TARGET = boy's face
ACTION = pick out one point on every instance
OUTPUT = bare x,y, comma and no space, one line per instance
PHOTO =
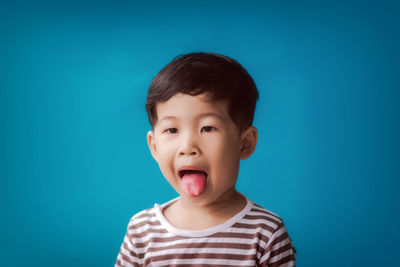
193,133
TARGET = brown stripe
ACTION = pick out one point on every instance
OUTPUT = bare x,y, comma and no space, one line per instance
118,263
260,217
175,238
132,253
159,240
148,231
280,238
263,238
127,259
138,225
233,235
201,256
262,210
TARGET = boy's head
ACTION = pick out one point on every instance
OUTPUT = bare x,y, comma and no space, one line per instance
218,76
201,108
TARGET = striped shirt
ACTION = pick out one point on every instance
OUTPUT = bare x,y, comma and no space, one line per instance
253,237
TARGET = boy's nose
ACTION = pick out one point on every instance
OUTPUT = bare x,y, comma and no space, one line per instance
189,147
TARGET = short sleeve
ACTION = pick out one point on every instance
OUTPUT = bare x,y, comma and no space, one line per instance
127,256
280,250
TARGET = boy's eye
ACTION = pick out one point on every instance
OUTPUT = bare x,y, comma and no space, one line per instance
207,129
171,130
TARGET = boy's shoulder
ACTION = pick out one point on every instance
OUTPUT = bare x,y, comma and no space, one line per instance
267,222
143,217
148,218
147,213
265,213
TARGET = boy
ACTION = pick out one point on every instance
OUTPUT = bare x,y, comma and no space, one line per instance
201,108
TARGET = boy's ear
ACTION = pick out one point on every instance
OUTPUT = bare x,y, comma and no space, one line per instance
152,144
249,142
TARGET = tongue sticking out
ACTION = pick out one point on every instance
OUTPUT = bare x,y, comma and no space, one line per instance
194,183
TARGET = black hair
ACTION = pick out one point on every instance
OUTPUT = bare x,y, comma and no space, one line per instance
222,77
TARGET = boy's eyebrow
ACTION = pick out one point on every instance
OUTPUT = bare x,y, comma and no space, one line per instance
212,114
167,118
208,114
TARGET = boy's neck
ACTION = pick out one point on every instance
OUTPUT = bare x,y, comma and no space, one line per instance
185,214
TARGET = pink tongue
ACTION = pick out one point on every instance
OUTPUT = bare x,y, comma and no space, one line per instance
194,183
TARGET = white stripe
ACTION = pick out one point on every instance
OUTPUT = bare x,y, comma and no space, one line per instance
259,255
250,231
278,233
135,222
280,244
148,212
281,256
259,221
209,240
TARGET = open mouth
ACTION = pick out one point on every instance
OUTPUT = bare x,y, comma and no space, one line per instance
183,172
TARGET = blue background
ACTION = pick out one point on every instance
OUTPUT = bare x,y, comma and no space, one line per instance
74,160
